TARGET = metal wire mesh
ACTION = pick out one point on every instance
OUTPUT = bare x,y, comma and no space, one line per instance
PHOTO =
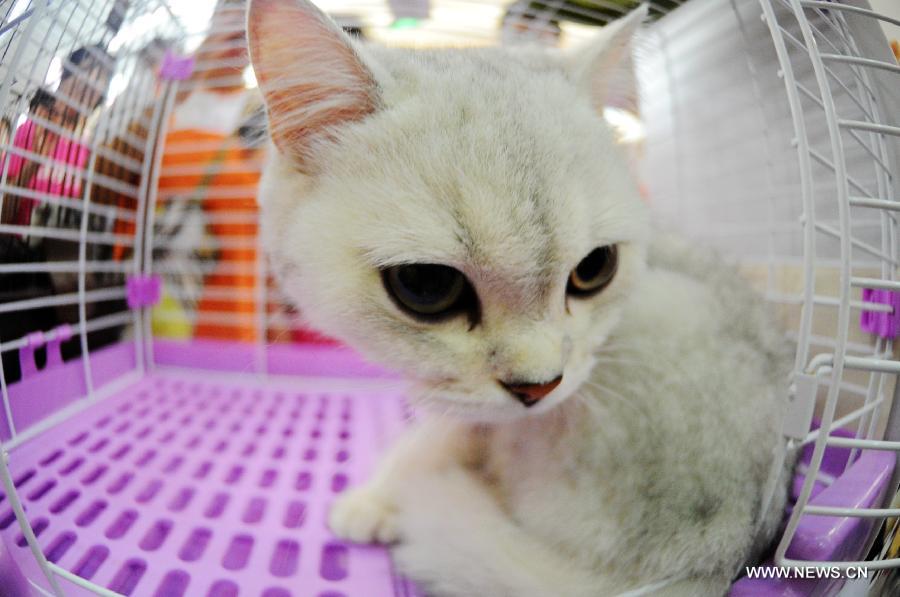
801,190
774,139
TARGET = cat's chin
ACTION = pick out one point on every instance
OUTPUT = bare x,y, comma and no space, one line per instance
471,414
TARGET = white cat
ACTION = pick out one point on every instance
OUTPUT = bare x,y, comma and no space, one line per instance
603,407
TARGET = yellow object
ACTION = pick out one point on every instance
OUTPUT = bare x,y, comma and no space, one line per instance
169,319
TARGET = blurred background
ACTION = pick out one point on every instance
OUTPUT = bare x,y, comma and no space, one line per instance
78,140
154,121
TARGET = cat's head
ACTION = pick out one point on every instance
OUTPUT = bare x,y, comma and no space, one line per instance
464,216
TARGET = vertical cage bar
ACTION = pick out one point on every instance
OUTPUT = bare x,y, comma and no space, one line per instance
168,102
24,525
141,330
806,186
82,242
843,311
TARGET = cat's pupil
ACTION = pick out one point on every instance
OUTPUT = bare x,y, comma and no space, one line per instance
594,272
428,291
427,284
591,265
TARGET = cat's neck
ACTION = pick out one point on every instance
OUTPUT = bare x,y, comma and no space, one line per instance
558,425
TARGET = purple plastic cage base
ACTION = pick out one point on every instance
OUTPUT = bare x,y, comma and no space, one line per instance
828,538
186,483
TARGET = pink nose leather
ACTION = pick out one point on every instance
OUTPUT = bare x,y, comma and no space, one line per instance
530,394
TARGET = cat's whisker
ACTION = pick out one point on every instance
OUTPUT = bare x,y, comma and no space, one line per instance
617,360
661,362
588,403
277,339
620,348
636,406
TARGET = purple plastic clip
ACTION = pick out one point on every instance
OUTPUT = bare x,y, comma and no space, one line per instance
886,325
175,67
36,340
143,290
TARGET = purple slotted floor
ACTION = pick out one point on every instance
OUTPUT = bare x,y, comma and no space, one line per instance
192,483
203,485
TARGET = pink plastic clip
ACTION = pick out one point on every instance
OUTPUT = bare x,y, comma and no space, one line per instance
27,364
36,340
143,291
886,325
175,67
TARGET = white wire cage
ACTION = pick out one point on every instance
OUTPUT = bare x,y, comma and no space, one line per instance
129,262
802,190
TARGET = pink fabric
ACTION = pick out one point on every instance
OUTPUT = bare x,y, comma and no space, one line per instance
58,178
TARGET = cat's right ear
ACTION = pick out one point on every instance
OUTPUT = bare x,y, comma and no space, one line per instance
312,79
603,67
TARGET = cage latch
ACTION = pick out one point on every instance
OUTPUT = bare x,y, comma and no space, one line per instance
175,67
35,340
143,290
881,323
801,403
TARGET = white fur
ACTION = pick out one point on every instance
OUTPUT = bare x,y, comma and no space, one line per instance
648,462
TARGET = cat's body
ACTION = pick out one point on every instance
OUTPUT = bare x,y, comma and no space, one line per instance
653,470
602,407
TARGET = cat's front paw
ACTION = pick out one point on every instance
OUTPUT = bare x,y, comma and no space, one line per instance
364,515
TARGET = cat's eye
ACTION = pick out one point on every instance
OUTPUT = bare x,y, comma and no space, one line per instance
594,272
430,292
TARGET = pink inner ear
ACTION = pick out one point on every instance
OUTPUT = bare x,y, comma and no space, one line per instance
607,63
311,77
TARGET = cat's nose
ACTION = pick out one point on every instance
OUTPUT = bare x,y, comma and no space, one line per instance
530,394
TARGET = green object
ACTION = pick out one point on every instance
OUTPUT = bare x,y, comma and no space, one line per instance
405,23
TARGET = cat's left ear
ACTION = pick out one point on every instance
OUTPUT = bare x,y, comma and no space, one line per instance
310,75
603,67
